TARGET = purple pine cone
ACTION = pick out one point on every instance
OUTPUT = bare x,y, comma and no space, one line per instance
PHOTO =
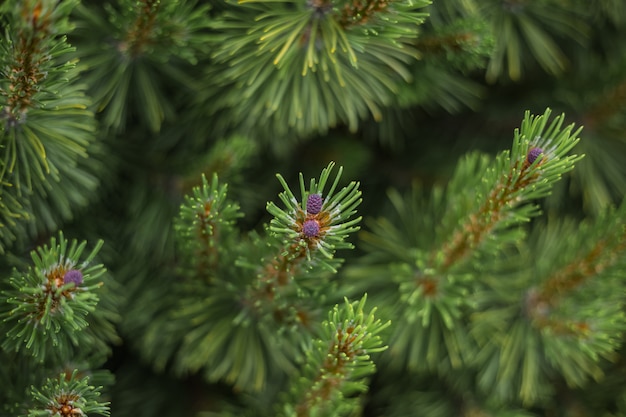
314,203
311,228
533,154
73,275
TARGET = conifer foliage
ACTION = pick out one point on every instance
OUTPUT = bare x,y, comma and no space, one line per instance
312,208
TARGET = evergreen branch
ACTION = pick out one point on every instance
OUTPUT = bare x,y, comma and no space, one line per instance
536,161
45,123
318,225
123,54
283,267
274,301
48,305
67,396
241,308
522,29
484,201
204,227
602,256
603,251
308,233
570,317
140,34
463,43
231,336
285,286
35,24
338,363
367,65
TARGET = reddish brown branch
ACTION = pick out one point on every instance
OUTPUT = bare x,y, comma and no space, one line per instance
359,12
485,219
24,73
141,33
452,42
602,256
208,254
333,371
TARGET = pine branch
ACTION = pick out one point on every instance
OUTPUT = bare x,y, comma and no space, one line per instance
604,254
46,310
46,129
465,43
565,316
140,50
140,34
67,396
309,232
315,228
537,160
525,33
337,364
476,218
259,288
205,229
452,45
310,51
45,123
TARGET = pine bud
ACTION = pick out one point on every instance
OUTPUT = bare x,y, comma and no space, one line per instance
314,203
73,275
311,228
533,154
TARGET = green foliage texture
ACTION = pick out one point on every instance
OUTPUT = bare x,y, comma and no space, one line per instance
313,208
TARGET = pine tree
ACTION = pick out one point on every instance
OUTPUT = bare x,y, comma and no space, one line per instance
312,208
